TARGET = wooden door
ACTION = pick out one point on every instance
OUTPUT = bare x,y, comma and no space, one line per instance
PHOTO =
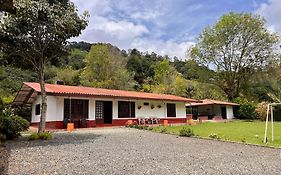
171,110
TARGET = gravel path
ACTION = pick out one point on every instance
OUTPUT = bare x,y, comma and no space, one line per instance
131,151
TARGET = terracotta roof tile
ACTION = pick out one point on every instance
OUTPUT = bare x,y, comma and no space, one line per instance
98,92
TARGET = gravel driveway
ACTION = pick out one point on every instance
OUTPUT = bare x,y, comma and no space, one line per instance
131,151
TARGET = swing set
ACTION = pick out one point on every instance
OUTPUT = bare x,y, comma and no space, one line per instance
269,110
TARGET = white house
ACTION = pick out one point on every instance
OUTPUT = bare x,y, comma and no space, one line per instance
212,109
90,107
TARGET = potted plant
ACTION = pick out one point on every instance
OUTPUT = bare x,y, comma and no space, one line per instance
159,106
139,107
152,106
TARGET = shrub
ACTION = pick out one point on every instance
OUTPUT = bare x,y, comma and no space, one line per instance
42,136
186,132
261,110
246,110
12,125
214,136
33,136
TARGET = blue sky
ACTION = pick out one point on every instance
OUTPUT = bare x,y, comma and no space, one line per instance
164,26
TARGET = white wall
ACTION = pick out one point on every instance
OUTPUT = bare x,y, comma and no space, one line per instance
229,112
55,108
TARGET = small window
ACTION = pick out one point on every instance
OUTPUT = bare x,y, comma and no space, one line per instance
37,109
146,104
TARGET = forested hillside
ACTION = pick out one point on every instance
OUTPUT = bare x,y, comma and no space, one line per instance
106,66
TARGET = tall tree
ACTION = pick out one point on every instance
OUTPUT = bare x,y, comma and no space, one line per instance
105,68
37,33
237,44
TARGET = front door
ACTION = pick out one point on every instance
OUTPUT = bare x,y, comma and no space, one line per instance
76,111
104,112
223,112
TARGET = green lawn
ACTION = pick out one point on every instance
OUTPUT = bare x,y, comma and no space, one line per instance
251,132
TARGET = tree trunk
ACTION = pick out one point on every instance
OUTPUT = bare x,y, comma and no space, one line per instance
43,101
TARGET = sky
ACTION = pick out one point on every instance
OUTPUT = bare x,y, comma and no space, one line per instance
166,27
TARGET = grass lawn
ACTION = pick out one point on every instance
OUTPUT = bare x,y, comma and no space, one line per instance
251,132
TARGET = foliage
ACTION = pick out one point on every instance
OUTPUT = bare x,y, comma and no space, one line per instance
246,109
214,136
11,125
237,44
105,68
261,110
41,136
75,59
11,79
141,66
67,74
37,33
186,132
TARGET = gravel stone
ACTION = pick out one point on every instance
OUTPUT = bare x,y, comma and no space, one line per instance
131,151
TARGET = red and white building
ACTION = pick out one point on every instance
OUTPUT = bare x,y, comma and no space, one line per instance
209,109
92,107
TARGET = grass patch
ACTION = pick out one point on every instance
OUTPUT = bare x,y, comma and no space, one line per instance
41,136
251,132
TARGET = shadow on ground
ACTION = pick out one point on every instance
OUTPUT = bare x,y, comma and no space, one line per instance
58,139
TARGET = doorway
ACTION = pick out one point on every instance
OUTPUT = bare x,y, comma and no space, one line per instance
103,112
223,112
76,111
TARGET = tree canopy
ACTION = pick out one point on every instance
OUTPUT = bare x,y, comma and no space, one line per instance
235,46
37,33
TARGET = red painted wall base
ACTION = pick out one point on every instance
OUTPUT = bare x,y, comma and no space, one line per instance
115,122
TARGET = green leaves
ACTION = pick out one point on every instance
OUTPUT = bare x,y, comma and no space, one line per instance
235,46
105,68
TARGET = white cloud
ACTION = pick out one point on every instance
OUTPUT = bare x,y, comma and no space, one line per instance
119,33
129,24
169,48
272,13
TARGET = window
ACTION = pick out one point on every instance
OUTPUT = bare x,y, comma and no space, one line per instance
99,110
126,109
37,109
171,110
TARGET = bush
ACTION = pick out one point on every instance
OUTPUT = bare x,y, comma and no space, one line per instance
214,136
261,110
186,132
163,130
42,136
246,110
11,125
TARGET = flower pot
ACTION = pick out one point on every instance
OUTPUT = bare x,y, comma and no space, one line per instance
70,127
190,122
166,122
130,122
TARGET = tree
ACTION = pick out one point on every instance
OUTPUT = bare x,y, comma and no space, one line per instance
37,33
140,66
105,68
236,45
